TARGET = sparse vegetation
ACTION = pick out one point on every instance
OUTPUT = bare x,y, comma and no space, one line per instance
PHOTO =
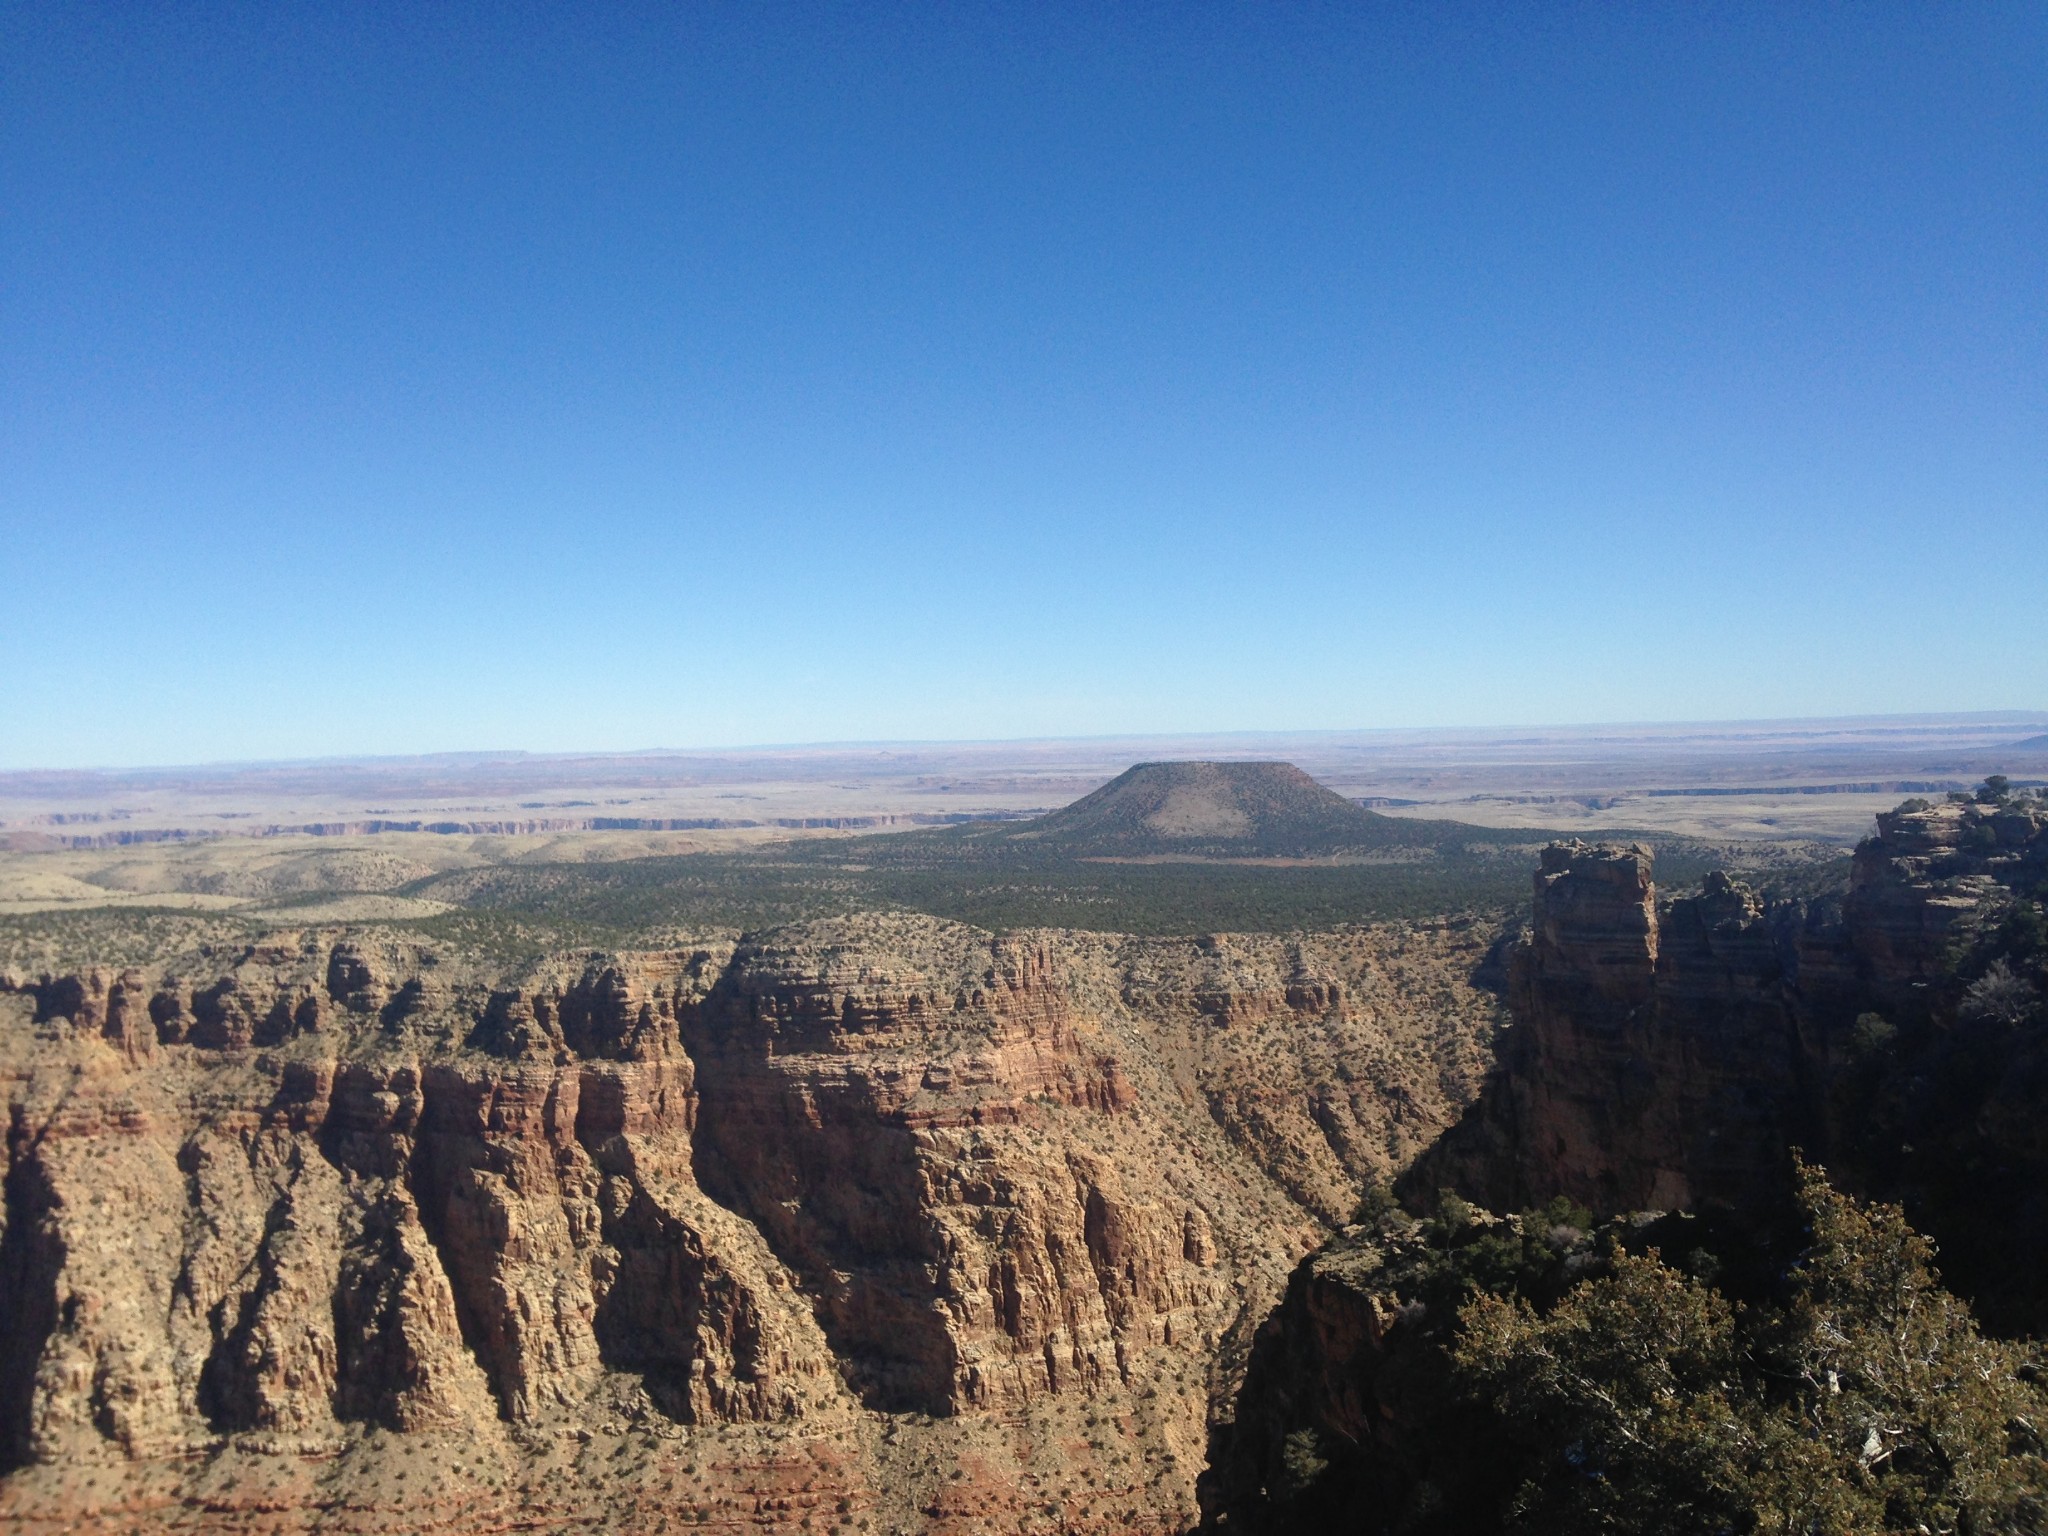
601,903
1547,1376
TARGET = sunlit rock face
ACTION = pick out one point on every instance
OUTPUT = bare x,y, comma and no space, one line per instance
772,1229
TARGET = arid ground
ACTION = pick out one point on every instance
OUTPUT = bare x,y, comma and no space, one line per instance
355,833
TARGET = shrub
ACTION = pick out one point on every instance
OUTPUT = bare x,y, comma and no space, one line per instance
1862,1399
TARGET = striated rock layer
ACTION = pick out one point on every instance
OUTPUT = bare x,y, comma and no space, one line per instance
871,1223
1661,1055
1667,1055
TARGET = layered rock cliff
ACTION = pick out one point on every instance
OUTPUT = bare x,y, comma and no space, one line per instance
1669,1056
870,1223
1661,1054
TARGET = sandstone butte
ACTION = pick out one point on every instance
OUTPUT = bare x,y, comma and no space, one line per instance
873,1224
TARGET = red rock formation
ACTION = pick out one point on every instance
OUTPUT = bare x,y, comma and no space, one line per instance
1656,1059
757,1235
886,1118
1668,1057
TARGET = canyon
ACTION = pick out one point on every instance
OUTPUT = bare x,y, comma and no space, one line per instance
881,1221
869,1223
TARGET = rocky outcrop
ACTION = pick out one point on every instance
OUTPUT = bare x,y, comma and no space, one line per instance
785,1227
1932,873
1332,1377
1657,1058
1668,1055
1305,1048
378,1239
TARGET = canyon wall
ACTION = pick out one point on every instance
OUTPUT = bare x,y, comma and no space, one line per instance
873,1223
1667,1055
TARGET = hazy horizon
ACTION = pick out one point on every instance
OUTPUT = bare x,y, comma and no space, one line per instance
1502,733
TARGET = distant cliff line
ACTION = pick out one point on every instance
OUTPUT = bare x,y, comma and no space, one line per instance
32,839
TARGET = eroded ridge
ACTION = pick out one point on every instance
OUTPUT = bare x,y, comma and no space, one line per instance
1666,1054
758,1229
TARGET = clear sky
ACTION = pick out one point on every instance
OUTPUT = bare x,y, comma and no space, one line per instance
386,378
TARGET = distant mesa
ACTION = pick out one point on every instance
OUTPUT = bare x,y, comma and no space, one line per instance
2032,744
1210,809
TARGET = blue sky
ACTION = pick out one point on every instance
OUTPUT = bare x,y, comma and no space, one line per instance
399,378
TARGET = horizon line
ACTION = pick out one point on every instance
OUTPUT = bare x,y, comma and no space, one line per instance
1981,718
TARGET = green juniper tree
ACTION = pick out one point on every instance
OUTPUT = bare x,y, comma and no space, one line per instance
1863,1400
